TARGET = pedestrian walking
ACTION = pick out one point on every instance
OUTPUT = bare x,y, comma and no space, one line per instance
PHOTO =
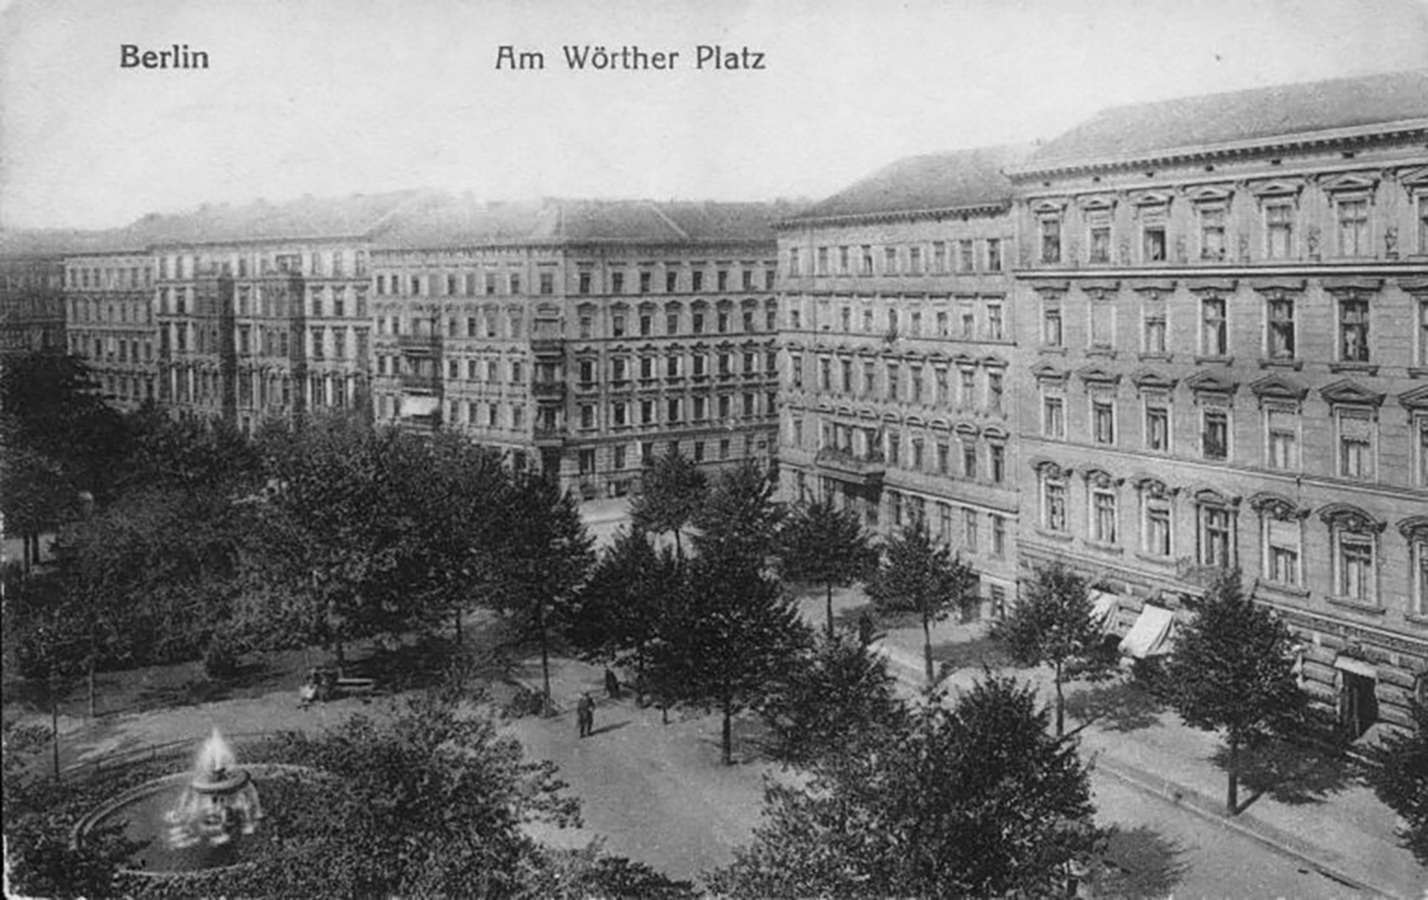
585,714
612,685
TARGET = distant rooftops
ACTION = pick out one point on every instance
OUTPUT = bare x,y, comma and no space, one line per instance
1192,125
955,180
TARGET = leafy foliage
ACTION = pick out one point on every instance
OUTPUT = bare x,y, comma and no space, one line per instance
838,692
1233,669
822,544
671,492
1398,774
739,520
1054,624
732,635
619,613
977,800
921,577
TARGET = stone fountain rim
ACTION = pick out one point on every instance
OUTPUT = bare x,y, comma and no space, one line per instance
153,786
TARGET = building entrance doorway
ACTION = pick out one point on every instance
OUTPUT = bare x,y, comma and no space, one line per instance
1358,703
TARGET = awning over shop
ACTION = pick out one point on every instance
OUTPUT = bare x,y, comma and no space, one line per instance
1151,635
1103,608
1356,666
419,405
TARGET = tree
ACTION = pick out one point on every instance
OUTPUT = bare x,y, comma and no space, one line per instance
619,612
1054,624
671,492
544,556
1398,774
919,576
1233,669
739,519
838,692
973,801
731,637
822,544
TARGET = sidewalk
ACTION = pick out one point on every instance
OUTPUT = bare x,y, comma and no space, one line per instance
1342,830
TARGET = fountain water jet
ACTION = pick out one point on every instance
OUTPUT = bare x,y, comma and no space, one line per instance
218,802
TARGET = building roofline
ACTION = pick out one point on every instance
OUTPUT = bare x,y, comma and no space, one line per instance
884,215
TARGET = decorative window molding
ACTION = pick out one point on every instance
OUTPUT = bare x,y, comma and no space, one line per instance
1149,379
1212,386
1278,388
1097,375
1348,516
1346,392
1046,373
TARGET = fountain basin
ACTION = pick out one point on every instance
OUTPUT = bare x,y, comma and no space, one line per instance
144,810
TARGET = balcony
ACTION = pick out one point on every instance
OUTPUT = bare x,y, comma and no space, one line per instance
547,436
846,466
412,381
429,344
547,346
548,390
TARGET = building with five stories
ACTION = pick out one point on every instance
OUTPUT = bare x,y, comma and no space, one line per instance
262,310
898,336
32,312
582,337
109,291
1222,362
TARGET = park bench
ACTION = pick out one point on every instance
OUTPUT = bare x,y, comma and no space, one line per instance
329,683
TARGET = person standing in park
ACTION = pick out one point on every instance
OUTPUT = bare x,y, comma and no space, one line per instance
585,714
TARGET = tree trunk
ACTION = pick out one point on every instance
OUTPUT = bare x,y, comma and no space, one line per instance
927,649
678,547
1232,792
458,626
544,657
90,680
1060,704
830,610
728,735
640,675
54,719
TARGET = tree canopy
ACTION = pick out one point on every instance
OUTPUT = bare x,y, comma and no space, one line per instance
1398,774
973,801
671,491
921,577
822,544
1054,623
739,519
1233,669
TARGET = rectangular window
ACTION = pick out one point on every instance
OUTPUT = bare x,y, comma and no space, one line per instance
1214,328
889,260
969,459
1215,433
999,537
943,455
1054,417
1103,324
1054,505
914,260
994,255
1157,528
1051,333
865,260
1355,559
645,282
617,282
1153,241
939,257
1353,330
1103,420
1356,443
490,284
547,282
968,399
1423,332
1281,338
1103,516
969,530
1099,222
994,392
1050,227
995,328
1282,438
997,458
587,327
1353,228
1153,315
1279,231
843,260
1212,233
1215,546
617,325
795,265
1281,556
966,257
893,377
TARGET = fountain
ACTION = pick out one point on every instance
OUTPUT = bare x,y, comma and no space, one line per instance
220,800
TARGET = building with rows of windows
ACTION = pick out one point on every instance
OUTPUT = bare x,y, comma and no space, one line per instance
32,310
108,291
898,334
1222,362
582,338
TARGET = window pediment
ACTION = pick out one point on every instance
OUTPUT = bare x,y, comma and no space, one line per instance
992,432
1152,380
866,413
1277,285
1350,285
1213,497
1276,506
1049,206
1349,393
1414,528
1050,468
1046,372
1277,188
1101,478
1414,177
1092,202
1416,399
1151,198
1277,387
1211,383
1153,487
1095,374
889,416
1349,182
994,362
1350,518
967,429
1211,194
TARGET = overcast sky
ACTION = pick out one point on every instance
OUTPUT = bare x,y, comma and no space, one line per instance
331,97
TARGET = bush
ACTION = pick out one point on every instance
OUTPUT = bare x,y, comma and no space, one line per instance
220,660
525,702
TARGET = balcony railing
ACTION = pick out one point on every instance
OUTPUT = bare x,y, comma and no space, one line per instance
415,382
867,469
427,343
547,346
548,390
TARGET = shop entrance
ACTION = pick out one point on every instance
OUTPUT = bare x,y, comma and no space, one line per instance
1358,703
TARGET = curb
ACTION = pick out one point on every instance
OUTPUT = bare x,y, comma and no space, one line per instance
1265,834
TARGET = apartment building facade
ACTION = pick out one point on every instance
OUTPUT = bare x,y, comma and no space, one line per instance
1222,362
108,295
583,338
898,338
32,308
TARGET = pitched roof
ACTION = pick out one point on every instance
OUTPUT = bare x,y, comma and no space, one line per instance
308,217
59,242
1147,130
957,179
454,221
